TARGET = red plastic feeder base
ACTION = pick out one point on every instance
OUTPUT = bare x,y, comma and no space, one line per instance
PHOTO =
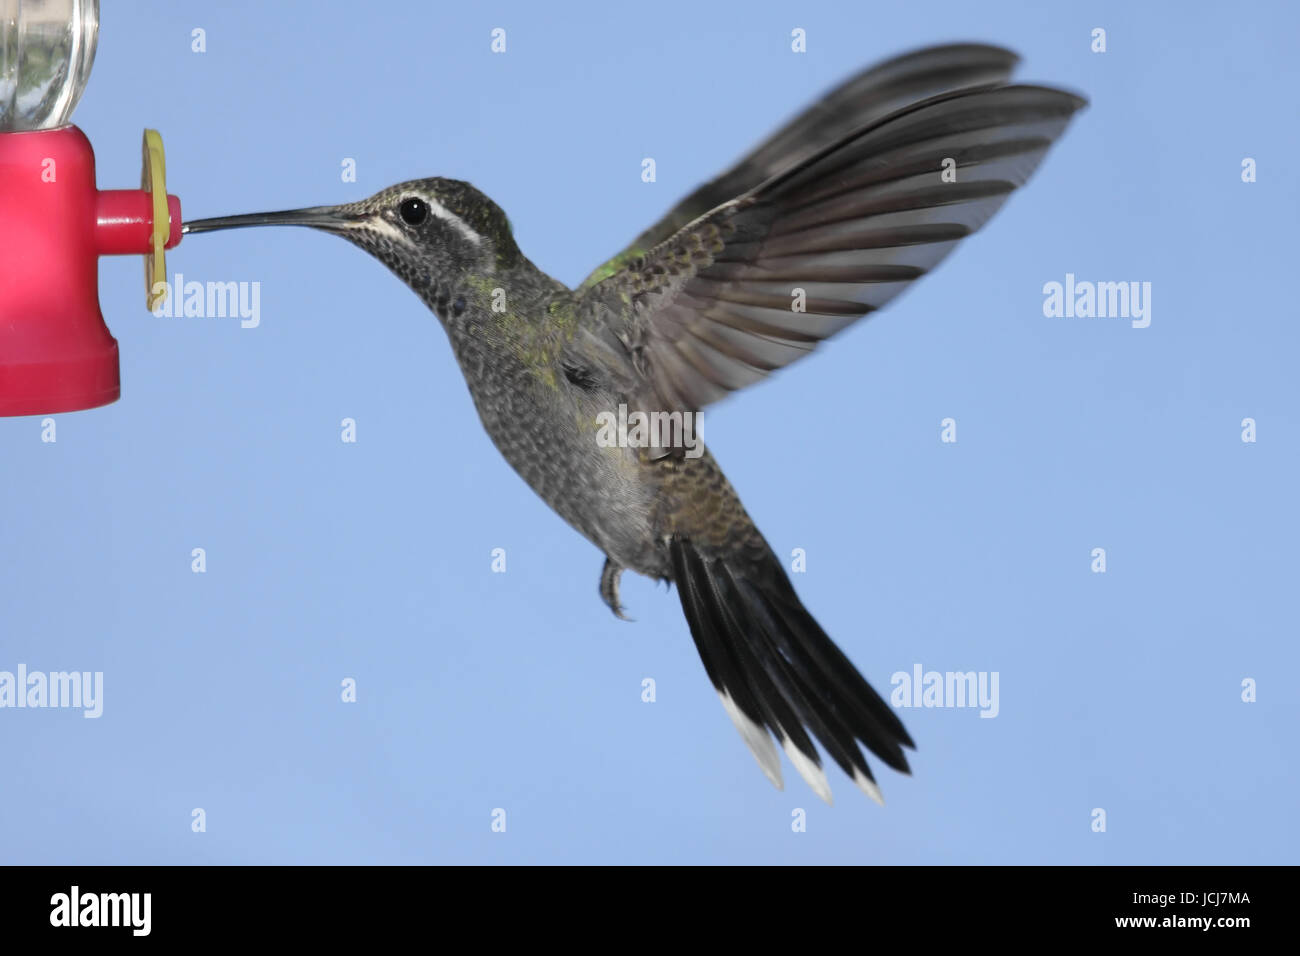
56,354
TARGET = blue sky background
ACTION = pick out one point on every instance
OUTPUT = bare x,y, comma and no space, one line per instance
477,690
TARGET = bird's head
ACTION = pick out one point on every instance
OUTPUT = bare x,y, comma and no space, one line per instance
434,234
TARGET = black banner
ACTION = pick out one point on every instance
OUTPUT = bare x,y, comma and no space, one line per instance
1150,905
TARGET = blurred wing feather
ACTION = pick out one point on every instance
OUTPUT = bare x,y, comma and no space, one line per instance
712,308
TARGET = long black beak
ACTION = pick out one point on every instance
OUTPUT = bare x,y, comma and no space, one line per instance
329,218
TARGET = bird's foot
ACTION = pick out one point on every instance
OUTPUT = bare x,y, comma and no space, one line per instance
609,577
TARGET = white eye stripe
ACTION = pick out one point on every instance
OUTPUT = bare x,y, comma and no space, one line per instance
454,220
397,232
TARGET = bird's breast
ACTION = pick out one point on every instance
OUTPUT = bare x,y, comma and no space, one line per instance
550,431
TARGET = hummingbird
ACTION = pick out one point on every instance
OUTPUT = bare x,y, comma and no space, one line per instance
824,222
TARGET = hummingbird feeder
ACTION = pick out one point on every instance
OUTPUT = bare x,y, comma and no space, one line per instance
56,353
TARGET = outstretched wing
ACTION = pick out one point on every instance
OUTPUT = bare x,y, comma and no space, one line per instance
717,305
858,102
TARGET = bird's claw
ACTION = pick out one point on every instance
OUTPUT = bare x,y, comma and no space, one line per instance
609,578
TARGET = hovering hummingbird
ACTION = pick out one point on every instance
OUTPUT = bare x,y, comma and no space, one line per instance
823,223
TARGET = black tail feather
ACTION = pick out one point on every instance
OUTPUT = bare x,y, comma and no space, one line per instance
778,672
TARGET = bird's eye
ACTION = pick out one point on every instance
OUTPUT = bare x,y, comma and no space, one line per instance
413,211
